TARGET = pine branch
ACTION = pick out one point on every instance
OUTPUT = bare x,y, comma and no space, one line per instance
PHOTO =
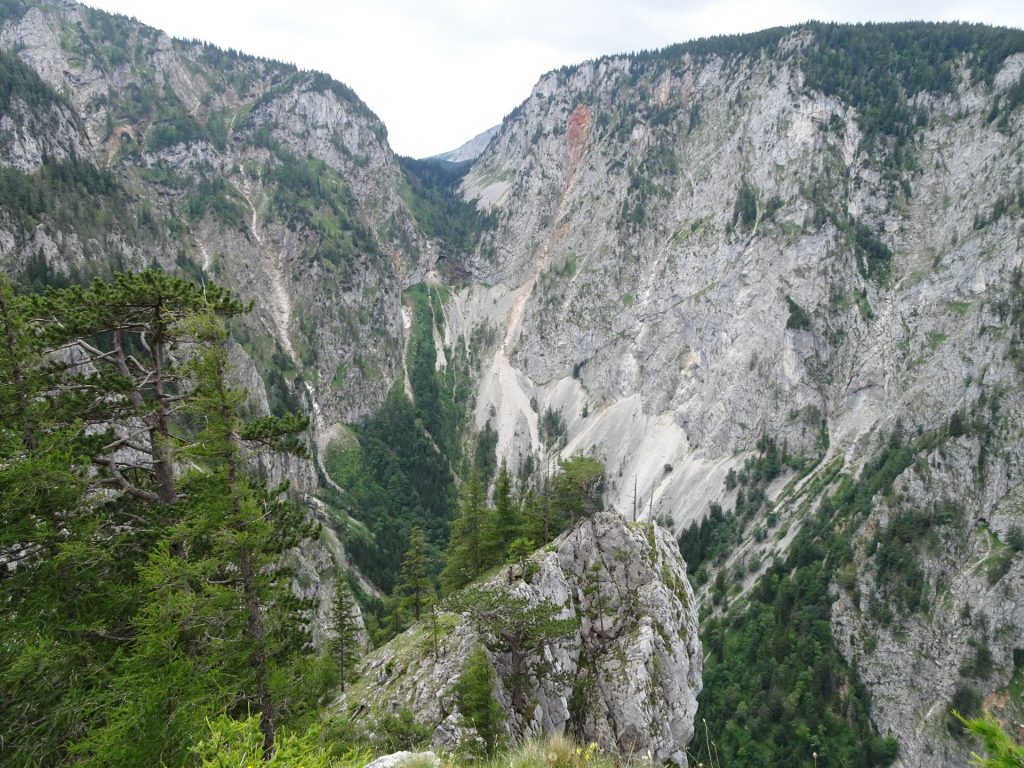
122,482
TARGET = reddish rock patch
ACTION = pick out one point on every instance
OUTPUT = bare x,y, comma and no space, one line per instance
578,131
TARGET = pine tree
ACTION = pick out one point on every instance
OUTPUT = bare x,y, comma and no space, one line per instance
534,522
218,623
474,692
415,587
1002,751
577,488
346,628
67,589
506,512
511,626
120,349
466,547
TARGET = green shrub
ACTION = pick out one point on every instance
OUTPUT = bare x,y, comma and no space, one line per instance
474,692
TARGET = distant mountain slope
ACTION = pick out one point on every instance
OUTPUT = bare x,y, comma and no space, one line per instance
122,148
471,150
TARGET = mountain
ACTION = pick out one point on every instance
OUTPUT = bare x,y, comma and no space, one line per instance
471,150
277,182
772,282
778,276
122,148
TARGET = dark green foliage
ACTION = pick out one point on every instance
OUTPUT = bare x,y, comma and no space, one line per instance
389,733
68,604
1015,538
485,459
577,489
877,68
725,46
875,256
157,107
19,81
981,662
1006,105
552,428
776,687
474,692
308,193
872,256
512,627
744,211
440,396
999,565
798,319
966,701
416,589
72,196
14,9
178,127
434,199
711,540
482,537
219,624
899,576
472,544
1003,751
394,479
215,197
322,82
344,645
150,595
507,515
1010,309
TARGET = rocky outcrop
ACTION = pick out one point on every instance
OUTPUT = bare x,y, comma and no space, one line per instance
942,627
626,676
644,302
398,759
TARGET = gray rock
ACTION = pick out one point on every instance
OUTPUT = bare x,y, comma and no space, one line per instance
399,759
627,679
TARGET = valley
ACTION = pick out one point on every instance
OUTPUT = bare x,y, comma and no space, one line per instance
770,285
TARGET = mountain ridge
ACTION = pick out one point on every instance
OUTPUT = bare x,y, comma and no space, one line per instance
749,274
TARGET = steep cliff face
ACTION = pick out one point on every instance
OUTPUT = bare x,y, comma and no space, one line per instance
624,674
121,148
278,183
663,220
717,242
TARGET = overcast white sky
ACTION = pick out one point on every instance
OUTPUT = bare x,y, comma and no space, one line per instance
438,72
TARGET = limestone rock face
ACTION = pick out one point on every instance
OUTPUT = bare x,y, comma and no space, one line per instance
275,183
631,297
679,267
399,759
626,678
230,166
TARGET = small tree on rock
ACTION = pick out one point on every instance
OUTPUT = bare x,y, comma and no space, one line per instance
415,588
346,629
